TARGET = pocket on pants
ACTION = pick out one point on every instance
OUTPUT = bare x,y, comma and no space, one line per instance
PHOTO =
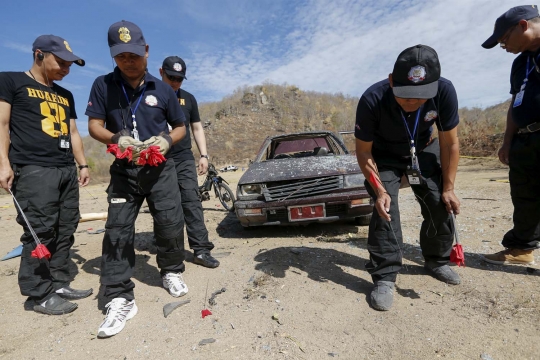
166,212
70,212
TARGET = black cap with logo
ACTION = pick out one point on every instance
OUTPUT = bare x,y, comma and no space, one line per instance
57,46
416,73
125,36
174,66
509,19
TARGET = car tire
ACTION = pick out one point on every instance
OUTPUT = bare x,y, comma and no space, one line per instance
363,220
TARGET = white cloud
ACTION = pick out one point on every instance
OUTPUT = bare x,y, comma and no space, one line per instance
346,46
18,46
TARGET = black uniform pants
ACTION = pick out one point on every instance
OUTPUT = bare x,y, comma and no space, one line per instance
192,207
49,197
128,188
385,239
524,177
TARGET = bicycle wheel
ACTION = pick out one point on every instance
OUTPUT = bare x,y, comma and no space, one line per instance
225,196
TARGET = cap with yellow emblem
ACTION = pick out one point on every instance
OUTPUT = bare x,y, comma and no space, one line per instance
57,46
125,36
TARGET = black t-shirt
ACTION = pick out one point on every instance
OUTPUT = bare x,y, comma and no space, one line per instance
39,114
379,118
158,105
182,149
529,110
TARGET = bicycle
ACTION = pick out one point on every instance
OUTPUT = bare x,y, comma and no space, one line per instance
222,191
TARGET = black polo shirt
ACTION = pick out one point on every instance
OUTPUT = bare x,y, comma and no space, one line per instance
529,110
182,149
379,118
39,115
158,105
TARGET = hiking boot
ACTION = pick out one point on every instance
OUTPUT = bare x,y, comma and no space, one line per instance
382,295
69,293
175,284
510,256
444,273
206,260
119,310
54,305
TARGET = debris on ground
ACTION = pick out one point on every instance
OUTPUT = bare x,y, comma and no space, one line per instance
212,300
170,307
206,341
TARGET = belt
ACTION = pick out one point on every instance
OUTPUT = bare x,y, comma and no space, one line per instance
534,127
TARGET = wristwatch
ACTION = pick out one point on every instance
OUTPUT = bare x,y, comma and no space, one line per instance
205,156
82,167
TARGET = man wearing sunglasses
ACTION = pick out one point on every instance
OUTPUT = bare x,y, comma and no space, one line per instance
173,72
393,130
518,31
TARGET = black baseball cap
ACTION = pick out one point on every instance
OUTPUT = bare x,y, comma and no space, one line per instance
509,19
174,66
416,73
125,36
57,46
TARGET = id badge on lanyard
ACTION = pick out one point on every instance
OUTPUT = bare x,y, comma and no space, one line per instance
135,132
519,96
415,165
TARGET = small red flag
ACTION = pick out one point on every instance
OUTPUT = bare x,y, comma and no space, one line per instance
41,252
457,256
205,313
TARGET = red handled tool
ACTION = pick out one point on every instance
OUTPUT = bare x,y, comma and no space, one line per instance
41,250
457,256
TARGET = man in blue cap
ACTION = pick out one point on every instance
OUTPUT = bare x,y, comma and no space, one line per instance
393,130
132,108
39,146
518,32
173,72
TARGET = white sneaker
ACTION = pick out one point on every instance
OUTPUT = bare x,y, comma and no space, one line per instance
119,311
175,284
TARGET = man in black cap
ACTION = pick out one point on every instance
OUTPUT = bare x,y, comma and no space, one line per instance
173,72
39,146
393,128
518,32
133,109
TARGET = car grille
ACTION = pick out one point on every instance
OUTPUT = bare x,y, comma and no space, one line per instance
297,189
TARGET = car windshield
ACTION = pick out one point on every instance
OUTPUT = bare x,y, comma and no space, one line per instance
300,145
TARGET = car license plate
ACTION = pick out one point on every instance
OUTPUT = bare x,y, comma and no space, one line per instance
306,212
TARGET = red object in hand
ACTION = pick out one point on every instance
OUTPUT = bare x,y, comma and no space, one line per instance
457,256
205,313
114,149
127,153
151,156
41,252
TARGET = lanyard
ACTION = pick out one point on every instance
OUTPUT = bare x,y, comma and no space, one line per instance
133,111
527,73
414,159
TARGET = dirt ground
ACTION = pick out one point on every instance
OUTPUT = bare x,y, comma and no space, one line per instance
293,293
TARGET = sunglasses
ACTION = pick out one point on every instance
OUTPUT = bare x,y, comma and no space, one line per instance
174,78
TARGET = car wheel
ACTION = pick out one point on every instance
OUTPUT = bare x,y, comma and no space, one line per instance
363,220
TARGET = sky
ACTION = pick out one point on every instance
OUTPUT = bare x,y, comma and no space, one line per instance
334,46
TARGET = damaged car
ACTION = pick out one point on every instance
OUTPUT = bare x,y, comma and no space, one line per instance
302,178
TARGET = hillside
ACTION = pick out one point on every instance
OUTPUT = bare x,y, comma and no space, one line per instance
236,126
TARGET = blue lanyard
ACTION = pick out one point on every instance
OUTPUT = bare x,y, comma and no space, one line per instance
411,136
528,71
133,111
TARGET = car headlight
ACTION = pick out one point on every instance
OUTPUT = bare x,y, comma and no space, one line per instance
253,189
353,180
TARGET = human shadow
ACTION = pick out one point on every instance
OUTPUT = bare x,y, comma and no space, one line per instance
322,265
143,272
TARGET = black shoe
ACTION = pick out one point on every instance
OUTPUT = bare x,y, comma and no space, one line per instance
54,305
444,273
206,260
69,293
